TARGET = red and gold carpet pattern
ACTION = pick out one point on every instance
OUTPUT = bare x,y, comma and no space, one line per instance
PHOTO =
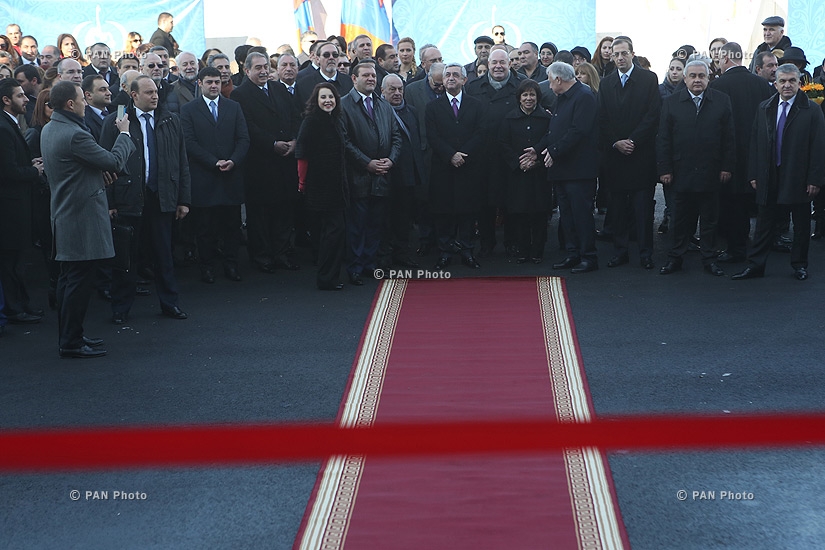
466,350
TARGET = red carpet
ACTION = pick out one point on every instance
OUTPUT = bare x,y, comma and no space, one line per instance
466,349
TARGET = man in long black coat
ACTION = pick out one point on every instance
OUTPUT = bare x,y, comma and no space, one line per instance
787,169
696,154
217,142
629,107
746,92
19,174
271,171
457,142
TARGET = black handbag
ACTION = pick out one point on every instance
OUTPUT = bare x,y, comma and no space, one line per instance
124,239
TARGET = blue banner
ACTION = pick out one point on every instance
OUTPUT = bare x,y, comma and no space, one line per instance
452,26
92,21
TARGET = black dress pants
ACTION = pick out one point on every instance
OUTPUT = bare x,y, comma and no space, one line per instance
576,217
74,289
216,225
766,233
688,208
632,209
332,241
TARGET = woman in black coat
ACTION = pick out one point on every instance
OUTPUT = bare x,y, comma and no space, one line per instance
528,192
322,178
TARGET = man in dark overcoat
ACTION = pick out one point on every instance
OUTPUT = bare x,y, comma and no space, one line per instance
271,171
787,169
696,154
455,124
629,107
217,142
746,92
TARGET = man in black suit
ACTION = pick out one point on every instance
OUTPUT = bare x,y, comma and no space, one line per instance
271,171
101,64
629,106
696,154
306,80
19,174
162,35
569,151
455,124
216,143
373,145
746,92
408,174
98,98
787,168
497,93
29,79
153,191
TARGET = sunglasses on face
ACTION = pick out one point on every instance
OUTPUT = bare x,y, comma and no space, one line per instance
499,34
154,65
344,64
330,54
137,40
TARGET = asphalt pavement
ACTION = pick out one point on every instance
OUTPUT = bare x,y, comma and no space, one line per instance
274,349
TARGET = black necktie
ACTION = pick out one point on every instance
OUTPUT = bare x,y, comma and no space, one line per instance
152,180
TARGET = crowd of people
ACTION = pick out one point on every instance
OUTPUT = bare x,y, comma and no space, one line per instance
120,166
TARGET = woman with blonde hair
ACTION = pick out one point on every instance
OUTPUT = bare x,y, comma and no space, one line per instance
406,54
67,44
587,74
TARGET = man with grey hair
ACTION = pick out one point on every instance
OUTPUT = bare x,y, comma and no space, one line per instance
773,31
70,69
497,93
163,53
152,65
454,131
186,87
429,54
570,150
786,168
530,66
222,62
48,57
746,92
696,154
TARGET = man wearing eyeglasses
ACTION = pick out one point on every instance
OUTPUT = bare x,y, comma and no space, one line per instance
499,37
328,57
69,69
629,106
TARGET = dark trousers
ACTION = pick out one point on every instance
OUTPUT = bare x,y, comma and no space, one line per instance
74,289
530,231
365,225
399,222
268,228
217,226
454,233
332,241
487,227
735,222
632,209
154,229
3,319
766,233
688,208
11,277
576,217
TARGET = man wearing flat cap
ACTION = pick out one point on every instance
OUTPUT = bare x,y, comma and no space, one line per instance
773,31
482,46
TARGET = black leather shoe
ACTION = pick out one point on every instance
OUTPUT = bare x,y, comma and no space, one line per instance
174,312
800,273
616,261
407,262
647,263
521,260
537,260
442,263
469,261
672,266
93,342
24,318
339,286
119,318
567,263
355,279
84,352
266,268
585,266
208,276
35,312
142,291
749,272
231,273
727,258
284,263
714,270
